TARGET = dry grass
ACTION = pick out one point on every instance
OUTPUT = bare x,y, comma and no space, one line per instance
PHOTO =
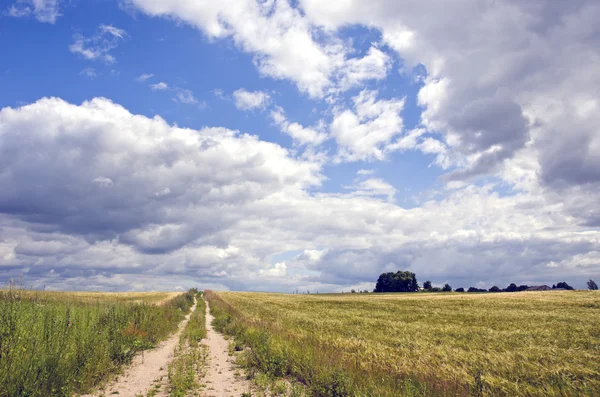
533,344
153,298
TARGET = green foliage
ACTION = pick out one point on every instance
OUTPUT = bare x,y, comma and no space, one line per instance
427,285
55,345
397,282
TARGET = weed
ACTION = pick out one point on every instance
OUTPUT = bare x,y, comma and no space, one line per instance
59,344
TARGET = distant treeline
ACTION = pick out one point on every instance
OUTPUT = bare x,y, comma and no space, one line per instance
405,281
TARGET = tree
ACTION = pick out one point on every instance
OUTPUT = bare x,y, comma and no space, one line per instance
473,289
564,285
495,289
427,285
592,285
461,289
512,288
447,288
397,282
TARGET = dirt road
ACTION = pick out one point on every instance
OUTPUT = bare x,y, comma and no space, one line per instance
221,379
145,369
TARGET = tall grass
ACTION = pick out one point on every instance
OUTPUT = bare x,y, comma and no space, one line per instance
54,344
529,344
190,355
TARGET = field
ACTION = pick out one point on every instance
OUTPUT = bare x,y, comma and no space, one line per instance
58,344
509,344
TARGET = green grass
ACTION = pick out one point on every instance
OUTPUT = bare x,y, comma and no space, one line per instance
511,344
190,355
59,343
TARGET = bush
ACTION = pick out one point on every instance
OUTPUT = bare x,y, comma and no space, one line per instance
447,288
461,289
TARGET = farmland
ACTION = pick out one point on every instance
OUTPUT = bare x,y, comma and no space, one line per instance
533,344
58,344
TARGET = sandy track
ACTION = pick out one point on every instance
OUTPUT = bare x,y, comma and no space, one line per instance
146,368
220,378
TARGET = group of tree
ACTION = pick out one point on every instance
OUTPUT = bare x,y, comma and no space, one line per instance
405,281
397,282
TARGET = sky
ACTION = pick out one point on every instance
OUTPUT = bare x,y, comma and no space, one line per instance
298,145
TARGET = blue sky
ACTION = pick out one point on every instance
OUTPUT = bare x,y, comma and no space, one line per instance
400,139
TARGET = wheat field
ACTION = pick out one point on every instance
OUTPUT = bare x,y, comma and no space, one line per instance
508,344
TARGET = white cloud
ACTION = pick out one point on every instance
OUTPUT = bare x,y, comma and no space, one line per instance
130,199
285,44
301,135
250,100
373,66
182,95
43,10
143,77
365,132
489,98
373,187
185,96
161,86
89,72
98,47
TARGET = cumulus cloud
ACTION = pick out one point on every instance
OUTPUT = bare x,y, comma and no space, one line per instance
373,66
366,131
518,71
98,47
42,10
300,134
250,100
212,206
285,44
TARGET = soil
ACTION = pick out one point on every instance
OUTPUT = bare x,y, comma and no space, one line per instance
222,378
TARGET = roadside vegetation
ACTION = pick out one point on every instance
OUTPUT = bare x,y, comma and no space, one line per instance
190,354
442,344
58,344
